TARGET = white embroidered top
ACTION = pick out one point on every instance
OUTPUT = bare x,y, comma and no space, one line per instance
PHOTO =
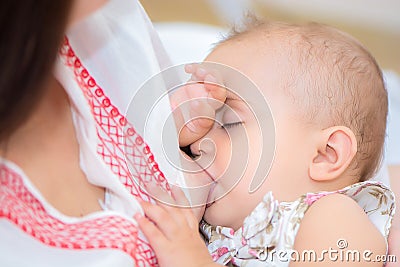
102,63
268,233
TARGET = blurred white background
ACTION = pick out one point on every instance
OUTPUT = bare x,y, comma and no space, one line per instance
381,14
376,23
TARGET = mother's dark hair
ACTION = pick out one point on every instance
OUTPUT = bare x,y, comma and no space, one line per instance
30,35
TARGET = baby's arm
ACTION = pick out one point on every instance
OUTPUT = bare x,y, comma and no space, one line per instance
335,225
174,236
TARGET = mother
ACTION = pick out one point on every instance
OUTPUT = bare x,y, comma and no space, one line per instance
66,196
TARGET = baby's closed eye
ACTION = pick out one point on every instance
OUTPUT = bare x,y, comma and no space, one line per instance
231,124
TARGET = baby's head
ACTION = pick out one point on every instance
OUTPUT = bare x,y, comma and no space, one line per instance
331,79
328,100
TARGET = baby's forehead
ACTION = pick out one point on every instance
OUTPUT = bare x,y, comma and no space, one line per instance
296,62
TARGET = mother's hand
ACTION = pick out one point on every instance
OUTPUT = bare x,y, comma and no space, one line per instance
173,232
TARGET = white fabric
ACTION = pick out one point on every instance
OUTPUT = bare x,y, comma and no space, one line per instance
188,42
20,250
119,47
271,228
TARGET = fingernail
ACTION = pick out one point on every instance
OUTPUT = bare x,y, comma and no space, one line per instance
189,68
210,79
201,72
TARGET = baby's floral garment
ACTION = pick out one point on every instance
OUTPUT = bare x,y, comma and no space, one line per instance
272,226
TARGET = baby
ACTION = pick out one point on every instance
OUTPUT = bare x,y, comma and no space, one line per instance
329,105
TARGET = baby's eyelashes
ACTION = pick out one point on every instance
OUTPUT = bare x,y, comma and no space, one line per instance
195,156
188,150
231,125
194,153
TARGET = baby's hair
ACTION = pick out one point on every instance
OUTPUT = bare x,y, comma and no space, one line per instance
334,79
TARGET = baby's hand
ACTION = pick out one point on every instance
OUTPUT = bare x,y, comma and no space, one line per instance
174,235
195,103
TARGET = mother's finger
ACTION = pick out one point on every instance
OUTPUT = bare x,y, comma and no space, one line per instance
165,200
158,193
185,206
167,221
179,196
155,236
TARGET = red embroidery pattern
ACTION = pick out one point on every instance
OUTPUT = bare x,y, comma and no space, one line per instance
116,146
19,206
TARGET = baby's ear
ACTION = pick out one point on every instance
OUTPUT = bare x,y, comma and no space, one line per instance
336,149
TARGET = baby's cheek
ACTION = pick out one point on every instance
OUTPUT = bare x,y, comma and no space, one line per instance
223,160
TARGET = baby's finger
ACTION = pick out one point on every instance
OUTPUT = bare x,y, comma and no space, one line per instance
216,90
201,73
190,68
197,71
200,121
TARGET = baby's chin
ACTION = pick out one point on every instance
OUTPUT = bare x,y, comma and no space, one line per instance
219,214
211,215
199,186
